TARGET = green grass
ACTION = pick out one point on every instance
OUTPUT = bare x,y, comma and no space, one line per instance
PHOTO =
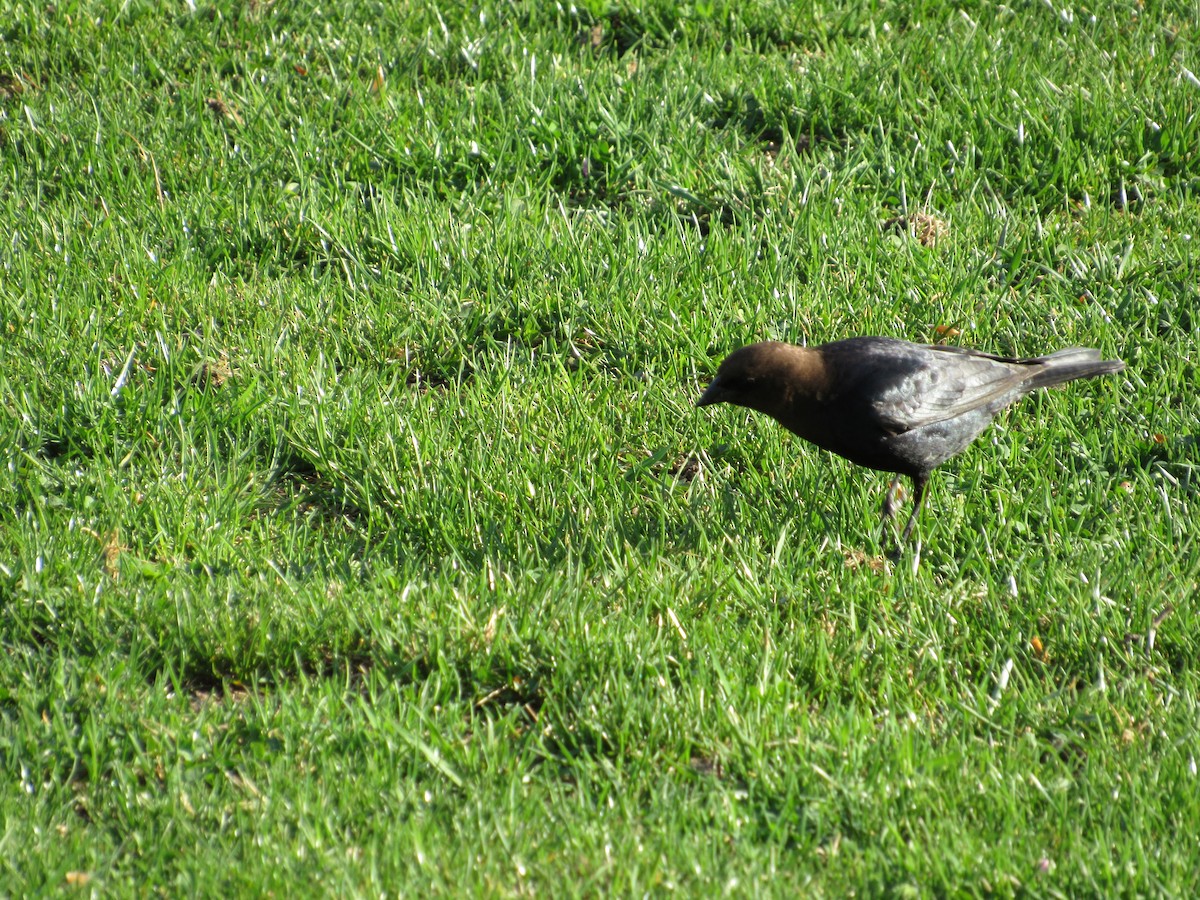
358,534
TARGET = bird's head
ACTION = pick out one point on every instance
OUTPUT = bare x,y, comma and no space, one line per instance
759,376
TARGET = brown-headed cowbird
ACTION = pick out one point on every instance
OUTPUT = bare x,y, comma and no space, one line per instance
889,404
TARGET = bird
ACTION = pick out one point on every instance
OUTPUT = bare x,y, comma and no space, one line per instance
890,404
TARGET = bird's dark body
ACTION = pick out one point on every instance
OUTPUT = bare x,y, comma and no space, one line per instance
889,404
863,417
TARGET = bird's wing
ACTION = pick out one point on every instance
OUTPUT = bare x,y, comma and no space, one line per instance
949,382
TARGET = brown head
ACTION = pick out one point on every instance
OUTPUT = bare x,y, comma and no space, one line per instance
770,377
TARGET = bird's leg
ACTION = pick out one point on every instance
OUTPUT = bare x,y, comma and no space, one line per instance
918,495
889,500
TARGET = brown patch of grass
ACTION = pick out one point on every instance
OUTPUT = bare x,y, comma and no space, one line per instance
213,373
111,549
927,229
223,111
686,468
856,559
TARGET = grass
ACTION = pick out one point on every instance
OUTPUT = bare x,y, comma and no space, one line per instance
359,536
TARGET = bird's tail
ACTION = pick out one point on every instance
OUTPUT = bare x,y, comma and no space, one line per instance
1070,364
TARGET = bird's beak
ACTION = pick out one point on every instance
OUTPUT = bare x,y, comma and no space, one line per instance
713,393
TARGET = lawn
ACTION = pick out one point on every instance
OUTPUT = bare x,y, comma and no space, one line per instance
358,534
